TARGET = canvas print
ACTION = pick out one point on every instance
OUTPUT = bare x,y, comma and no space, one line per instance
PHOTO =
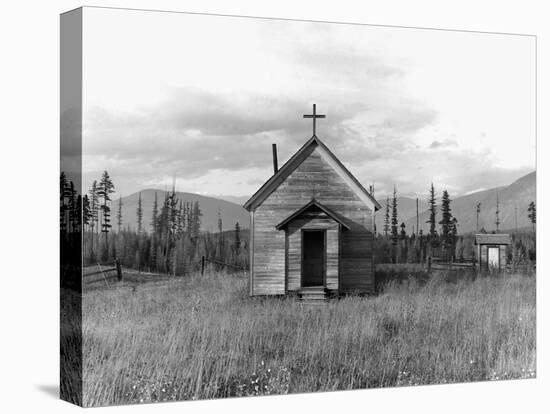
255,206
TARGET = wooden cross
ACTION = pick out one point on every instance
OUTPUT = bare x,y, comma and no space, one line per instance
314,116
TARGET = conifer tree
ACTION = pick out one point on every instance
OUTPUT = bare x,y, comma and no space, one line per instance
433,212
72,208
394,222
64,193
139,214
497,215
104,191
532,209
86,215
173,212
119,214
94,213
387,218
154,217
181,218
196,222
448,224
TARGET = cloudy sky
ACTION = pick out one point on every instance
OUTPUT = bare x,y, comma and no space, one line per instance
202,98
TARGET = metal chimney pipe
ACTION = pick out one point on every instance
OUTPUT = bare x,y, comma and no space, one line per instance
275,165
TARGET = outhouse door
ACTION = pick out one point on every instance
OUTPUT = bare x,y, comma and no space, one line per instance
493,258
313,257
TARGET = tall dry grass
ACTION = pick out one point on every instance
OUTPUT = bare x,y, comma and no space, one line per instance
205,338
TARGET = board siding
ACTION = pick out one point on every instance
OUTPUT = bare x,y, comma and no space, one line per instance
313,178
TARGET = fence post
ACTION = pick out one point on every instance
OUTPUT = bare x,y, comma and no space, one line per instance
202,265
118,270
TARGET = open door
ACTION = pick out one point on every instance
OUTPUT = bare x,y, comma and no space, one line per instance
493,258
313,257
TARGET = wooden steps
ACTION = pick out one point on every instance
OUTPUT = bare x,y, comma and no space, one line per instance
313,294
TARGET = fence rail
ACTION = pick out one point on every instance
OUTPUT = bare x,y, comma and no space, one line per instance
102,273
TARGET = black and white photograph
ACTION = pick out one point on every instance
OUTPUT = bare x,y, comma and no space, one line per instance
264,206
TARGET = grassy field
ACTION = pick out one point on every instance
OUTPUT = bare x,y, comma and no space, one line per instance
194,337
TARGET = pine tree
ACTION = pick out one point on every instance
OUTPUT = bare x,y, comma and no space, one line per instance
433,211
72,208
139,214
154,218
64,193
173,212
119,214
497,215
387,218
104,190
448,223
532,209
478,210
86,214
181,218
196,222
94,214
394,221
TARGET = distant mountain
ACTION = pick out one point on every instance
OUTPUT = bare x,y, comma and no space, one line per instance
240,200
230,212
518,194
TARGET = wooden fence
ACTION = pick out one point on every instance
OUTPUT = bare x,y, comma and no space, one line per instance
438,266
204,259
102,273
110,273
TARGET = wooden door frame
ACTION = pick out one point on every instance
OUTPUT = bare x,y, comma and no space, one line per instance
302,255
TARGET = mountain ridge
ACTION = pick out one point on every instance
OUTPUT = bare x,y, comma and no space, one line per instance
518,195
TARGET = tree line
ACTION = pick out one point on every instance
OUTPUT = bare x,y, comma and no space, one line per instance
175,241
173,244
395,245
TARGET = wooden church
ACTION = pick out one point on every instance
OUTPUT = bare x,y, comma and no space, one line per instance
311,227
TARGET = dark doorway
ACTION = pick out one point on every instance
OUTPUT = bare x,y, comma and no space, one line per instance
313,258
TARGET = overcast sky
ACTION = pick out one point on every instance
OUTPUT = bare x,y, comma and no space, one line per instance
203,97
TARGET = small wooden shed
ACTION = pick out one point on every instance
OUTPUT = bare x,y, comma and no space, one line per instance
311,228
491,251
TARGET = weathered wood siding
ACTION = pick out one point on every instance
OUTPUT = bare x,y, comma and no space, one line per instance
502,257
483,255
313,178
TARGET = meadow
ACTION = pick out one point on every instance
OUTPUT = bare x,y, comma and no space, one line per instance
201,337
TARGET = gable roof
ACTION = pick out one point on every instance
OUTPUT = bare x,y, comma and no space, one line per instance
294,161
312,203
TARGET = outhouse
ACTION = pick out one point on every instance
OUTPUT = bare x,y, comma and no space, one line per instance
491,251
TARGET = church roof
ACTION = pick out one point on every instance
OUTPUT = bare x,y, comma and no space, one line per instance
312,205
294,161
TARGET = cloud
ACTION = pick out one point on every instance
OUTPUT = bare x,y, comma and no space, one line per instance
193,132
458,170
445,143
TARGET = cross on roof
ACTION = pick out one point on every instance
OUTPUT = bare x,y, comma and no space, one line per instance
314,116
